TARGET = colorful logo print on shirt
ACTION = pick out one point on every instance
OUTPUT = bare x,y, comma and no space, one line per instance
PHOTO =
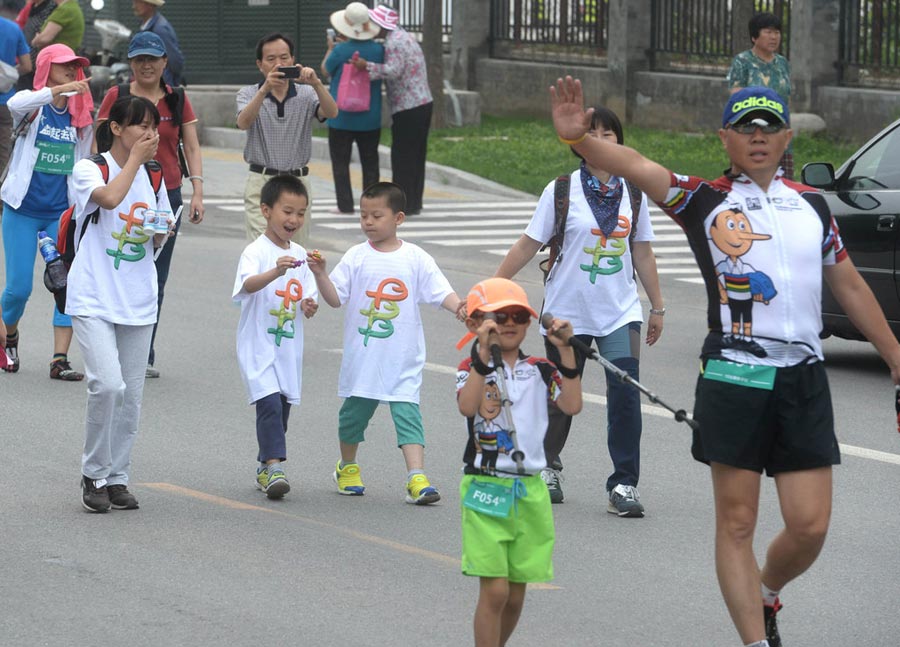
606,255
134,240
384,308
286,312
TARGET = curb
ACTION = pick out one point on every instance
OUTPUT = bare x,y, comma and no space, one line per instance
232,138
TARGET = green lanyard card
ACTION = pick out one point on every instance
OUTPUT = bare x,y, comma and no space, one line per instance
749,375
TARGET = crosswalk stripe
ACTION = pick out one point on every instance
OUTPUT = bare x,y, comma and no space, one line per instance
490,227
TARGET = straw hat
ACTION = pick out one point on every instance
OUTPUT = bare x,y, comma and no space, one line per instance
353,22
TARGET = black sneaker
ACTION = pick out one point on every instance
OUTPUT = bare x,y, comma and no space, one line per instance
771,624
120,498
94,495
552,478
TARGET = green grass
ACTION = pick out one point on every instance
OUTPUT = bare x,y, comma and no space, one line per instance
525,154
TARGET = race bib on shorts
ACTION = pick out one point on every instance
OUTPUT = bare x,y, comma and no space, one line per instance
493,499
749,375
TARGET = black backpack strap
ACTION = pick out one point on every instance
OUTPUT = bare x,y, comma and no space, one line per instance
154,172
560,215
124,89
635,195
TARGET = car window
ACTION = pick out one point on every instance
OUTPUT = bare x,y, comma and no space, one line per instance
878,167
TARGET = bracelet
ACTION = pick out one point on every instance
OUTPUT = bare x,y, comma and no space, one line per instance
480,367
196,177
573,142
661,312
566,372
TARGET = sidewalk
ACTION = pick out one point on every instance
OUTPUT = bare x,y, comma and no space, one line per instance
225,173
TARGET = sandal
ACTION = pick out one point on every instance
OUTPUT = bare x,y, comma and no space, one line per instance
12,351
61,370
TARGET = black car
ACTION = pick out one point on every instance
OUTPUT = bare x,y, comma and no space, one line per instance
864,197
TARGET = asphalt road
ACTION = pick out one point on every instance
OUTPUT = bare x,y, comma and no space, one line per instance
208,560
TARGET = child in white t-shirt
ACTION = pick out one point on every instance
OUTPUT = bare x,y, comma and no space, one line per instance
274,285
111,293
382,282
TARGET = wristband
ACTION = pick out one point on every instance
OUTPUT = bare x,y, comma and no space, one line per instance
661,312
573,142
566,372
196,177
480,367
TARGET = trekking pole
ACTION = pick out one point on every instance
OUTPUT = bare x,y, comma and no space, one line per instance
517,455
680,414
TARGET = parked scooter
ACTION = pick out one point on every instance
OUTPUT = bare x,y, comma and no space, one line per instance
106,69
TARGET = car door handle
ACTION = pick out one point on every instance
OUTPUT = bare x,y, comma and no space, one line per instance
886,223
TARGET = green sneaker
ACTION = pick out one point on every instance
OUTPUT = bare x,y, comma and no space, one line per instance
420,492
273,482
348,479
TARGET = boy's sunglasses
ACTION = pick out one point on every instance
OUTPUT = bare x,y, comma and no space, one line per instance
519,316
749,127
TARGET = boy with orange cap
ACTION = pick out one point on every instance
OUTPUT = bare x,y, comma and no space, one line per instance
507,523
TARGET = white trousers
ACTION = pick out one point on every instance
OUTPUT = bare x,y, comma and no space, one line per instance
115,363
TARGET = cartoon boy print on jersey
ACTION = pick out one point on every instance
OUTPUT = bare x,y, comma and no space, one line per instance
135,240
384,308
740,284
286,312
491,437
606,254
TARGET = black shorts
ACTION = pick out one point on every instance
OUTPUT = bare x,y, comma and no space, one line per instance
786,429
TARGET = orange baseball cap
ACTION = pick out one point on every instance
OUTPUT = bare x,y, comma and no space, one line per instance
491,295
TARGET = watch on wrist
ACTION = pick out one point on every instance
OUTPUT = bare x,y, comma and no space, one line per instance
661,312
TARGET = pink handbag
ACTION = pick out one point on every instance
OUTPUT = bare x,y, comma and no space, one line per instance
354,90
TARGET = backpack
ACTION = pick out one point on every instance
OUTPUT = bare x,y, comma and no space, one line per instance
560,215
175,101
67,245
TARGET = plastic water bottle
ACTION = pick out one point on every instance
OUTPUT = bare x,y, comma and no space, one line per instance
55,277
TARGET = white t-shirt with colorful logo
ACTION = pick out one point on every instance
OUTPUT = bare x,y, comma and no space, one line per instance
593,284
113,276
384,342
270,331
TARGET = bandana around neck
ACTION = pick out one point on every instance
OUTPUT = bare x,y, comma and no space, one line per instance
603,199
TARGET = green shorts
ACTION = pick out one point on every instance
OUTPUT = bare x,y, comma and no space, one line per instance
356,412
518,547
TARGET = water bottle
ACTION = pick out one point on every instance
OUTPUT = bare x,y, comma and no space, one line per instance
48,247
55,275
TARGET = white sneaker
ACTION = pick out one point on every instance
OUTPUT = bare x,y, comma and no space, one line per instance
553,478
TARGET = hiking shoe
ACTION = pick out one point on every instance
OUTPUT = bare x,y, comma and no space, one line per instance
94,495
420,492
348,479
151,372
61,370
12,352
120,498
771,624
273,482
625,501
552,478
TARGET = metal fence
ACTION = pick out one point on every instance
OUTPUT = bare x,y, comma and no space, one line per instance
699,35
572,31
870,43
412,14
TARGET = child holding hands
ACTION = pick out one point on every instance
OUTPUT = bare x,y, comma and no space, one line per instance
273,285
382,281
507,523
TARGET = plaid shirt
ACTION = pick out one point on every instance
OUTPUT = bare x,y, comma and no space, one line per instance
405,71
281,136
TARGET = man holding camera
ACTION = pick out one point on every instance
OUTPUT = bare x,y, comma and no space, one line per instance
277,114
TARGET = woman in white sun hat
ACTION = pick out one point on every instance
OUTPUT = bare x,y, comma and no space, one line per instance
410,101
355,34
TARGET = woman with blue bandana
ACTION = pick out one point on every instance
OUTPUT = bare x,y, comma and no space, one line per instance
607,234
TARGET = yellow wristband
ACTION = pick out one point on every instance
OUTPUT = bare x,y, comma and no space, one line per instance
573,142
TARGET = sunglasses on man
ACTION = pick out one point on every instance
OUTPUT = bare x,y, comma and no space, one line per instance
749,127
